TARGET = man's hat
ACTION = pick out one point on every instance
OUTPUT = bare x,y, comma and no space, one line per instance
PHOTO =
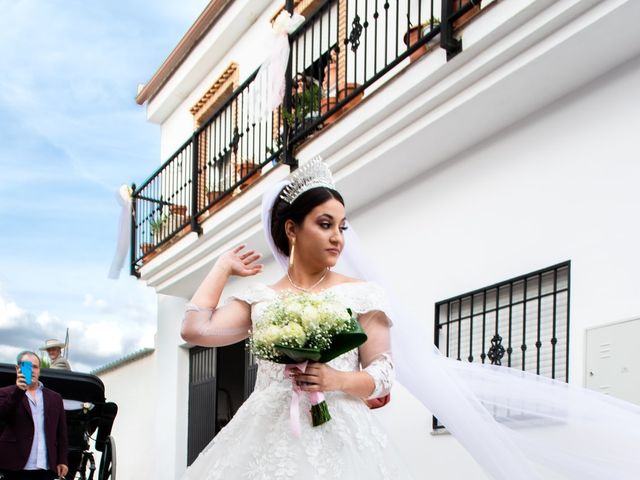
52,343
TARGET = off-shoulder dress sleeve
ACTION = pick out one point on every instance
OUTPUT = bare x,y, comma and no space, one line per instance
251,294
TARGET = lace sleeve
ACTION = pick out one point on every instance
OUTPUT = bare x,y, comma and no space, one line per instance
375,353
369,301
383,373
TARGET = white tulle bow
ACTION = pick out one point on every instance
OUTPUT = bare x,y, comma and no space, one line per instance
267,90
124,231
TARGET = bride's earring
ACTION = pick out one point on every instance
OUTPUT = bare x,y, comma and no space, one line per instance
293,247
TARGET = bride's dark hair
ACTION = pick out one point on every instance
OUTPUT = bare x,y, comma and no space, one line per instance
296,212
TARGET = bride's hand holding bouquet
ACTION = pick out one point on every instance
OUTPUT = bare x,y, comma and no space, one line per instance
318,377
306,331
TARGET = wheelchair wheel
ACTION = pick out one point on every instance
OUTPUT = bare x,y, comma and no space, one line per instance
107,469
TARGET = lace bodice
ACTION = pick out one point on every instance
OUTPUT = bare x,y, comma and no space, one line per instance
361,298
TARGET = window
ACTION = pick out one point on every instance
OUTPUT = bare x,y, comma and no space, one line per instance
521,323
217,144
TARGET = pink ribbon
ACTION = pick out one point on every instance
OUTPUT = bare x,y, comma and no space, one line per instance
294,409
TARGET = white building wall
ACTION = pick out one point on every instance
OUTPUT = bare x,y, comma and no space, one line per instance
132,387
247,50
559,185
172,391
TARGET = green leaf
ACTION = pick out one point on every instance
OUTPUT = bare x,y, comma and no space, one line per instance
298,354
342,343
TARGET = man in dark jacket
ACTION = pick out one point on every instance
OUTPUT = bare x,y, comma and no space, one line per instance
33,442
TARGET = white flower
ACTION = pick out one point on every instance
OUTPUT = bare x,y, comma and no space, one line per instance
305,320
338,311
294,333
269,335
293,308
310,317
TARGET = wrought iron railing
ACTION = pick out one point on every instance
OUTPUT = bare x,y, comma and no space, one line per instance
347,46
341,50
521,323
222,158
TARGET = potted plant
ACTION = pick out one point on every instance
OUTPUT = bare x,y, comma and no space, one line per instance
415,33
212,195
336,91
305,102
157,227
215,199
249,170
467,17
178,210
177,217
146,248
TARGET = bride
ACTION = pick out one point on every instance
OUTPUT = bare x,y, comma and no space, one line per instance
307,225
515,424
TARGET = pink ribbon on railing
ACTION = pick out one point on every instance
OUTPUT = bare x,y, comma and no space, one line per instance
294,408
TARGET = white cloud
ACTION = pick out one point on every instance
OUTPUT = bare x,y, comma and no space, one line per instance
104,338
104,334
70,134
45,320
91,302
10,313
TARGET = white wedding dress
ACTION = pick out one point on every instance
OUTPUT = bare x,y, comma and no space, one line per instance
258,443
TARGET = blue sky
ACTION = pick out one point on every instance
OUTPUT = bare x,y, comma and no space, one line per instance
70,134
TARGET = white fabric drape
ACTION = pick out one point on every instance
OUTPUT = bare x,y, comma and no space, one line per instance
514,423
124,231
267,90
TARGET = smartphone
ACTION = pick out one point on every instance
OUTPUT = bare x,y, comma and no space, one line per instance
26,368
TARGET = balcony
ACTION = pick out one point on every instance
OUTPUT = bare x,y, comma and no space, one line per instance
342,50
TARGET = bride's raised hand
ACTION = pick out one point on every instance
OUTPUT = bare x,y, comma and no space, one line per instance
240,262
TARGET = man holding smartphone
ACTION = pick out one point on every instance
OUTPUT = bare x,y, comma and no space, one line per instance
33,442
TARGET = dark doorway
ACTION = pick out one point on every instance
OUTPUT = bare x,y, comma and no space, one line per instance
230,389
220,380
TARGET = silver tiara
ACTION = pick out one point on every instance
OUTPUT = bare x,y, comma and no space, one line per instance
312,174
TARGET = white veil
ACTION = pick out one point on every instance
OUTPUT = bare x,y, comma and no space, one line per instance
516,425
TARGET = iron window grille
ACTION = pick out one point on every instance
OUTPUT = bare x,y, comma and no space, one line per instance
520,323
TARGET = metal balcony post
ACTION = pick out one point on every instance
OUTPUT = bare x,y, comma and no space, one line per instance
286,104
452,45
195,227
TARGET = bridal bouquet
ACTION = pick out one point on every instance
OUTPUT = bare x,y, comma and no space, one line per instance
298,328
